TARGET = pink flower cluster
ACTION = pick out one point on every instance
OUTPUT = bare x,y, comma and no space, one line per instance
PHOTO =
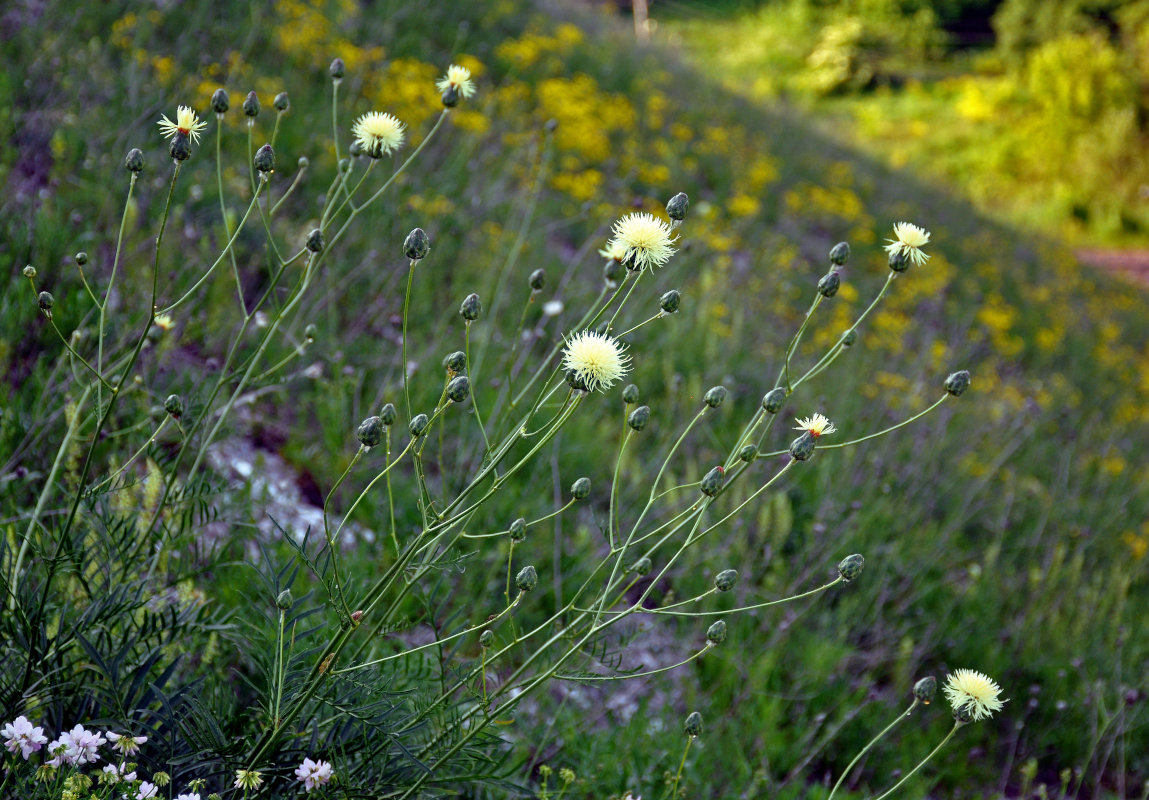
313,773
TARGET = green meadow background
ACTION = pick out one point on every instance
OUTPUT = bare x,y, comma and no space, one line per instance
1006,532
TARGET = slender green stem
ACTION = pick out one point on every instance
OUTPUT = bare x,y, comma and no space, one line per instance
686,660
111,282
72,352
870,744
403,366
223,209
837,348
784,376
901,424
681,764
921,763
767,604
659,315
331,544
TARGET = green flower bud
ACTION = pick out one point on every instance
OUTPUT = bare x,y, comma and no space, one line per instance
315,240
716,633
612,271
958,383
81,259
355,149
46,301
748,453
642,566
828,286
161,778
303,162
693,724
251,105
456,362
134,160
538,279
486,639
715,396
418,425
345,165
174,405
774,399
471,307
724,581
898,261
803,447
370,432
670,301
926,688
527,579
580,489
677,207
850,567
850,337
220,102
840,253
630,394
284,600
264,159
337,70
450,96
566,775
180,147
281,102
30,272
417,244
388,414
310,332
638,418
713,481
459,389
518,530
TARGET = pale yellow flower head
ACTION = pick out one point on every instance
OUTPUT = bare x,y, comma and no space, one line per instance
646,239
459,78
816,426
614,251
909,239
378,133
248,779
597,360
186,123
967,689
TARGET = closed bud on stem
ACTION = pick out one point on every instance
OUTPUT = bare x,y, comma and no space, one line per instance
538,279
712,482
264,159
315,240
281,102
310,332
774,400
575,381
455,363
418,425
303,162
134,160
630,394
748,453
803,447
693,724
527,579
81,259
898,261
724,581
30,272
612,272
638,418
850,567
450,97
370,432
518,530
715,396
925,689
471,307
670,301
716,633
388,414
417,244
344,165
828,286
180,147
849,338
251,105
284,600
337,70
458,389
174,405
580,489
486,639
840,254
46,301
642,567
220,102
356,617
677,207
958,383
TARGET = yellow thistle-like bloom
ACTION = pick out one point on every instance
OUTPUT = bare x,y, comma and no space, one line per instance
378,133
816,426
597,360
186,123
248,779
614,251
646,239
164,322
967,689
909,242
459,78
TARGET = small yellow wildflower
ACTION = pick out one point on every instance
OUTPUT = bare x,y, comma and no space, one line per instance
459,79
596,359
186,123
816,426
908,242
967,689
646,238
378,133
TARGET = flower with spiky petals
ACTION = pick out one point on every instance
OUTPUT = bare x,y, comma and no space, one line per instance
614,251
248,779
130,745
378,133
595,359
186,123
647,240
459,79
816,425
313,773
909,241
21,735
974,692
